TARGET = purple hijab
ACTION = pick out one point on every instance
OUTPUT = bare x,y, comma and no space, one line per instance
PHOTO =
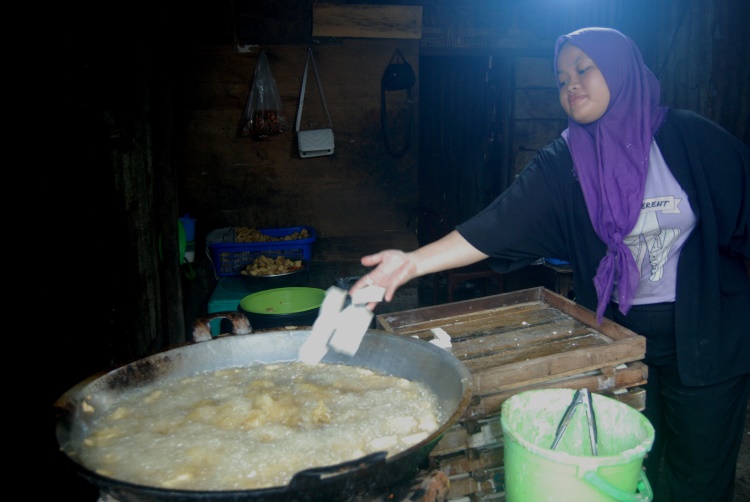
611,154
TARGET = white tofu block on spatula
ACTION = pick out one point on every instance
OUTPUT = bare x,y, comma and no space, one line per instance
351,326
315,347
368,294
354,320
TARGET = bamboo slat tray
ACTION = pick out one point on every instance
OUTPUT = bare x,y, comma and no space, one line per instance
528,339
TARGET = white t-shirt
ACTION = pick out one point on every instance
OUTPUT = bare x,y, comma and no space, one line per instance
665,223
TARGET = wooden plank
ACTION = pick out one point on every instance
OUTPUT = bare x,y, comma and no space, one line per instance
483,433
481,318
416,319
635,397
479,484
530,345
495,306
555,366
470,460
367,21
632,375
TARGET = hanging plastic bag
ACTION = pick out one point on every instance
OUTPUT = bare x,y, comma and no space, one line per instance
264,114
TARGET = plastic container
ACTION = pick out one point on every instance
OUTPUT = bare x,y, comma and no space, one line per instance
229,258
227,294
189,226
570,473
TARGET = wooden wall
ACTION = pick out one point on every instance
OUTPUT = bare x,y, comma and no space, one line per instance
361,194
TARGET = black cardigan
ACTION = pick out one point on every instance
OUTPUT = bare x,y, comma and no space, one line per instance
543,214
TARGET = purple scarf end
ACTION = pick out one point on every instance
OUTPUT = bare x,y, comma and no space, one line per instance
604,280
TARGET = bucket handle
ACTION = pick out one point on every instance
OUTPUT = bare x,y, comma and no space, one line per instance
644,487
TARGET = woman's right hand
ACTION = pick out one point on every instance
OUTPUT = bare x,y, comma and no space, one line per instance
393,268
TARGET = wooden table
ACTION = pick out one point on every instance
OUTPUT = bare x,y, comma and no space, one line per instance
563,279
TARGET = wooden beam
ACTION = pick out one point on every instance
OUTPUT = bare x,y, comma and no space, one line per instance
367,21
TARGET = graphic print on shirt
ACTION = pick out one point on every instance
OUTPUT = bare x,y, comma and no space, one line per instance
648,238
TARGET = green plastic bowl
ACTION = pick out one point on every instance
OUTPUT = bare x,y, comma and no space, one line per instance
293,306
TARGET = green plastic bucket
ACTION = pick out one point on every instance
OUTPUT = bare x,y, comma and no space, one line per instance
534,472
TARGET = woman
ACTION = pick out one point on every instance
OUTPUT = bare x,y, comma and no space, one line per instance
651,208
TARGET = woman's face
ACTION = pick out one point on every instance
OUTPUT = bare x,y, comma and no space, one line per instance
584,94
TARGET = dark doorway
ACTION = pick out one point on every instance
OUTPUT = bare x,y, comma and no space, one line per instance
463,110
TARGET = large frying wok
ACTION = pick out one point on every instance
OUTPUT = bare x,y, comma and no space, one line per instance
409,358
